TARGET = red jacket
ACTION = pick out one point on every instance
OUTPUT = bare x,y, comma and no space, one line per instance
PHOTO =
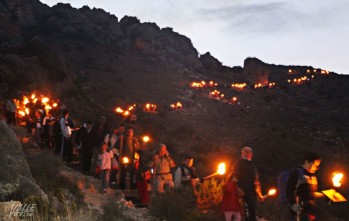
230,201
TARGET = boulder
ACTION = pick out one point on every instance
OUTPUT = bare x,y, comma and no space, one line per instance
15,176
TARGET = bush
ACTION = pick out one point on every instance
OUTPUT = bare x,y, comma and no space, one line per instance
174,205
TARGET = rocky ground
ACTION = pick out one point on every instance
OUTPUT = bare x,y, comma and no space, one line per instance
89,185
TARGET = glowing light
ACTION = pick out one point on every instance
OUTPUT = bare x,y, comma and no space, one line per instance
25,100
125,160
221,169
146,139
54,104
337,178
119,110
45,100
33,96
239,85
271,192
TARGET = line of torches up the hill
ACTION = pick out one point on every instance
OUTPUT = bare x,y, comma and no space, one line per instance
239,86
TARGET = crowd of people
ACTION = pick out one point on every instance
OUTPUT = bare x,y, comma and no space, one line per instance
119,159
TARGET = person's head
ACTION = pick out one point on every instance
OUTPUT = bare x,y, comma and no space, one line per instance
162,150
311,162
121,129
49,114
102,120
247,153
104,147
115,130
189,161
65,114
88,125
129,132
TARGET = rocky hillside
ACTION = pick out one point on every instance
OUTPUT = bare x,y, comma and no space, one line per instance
93,61
15,179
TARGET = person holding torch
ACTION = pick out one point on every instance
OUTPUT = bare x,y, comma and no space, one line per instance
245,172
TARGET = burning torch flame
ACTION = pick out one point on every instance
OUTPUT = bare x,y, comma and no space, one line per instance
26,111
25,101
336,179
271,192
221,169
44,100
54,104
146,139
125,160
22,113
119,110
33,96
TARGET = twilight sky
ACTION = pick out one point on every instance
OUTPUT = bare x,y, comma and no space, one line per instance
288,32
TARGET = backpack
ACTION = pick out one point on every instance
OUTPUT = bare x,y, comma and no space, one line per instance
282,182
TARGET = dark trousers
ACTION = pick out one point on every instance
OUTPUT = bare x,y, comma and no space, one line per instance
86,159
105,178
67,149
113,176
11,117
57,141
123,173
250,207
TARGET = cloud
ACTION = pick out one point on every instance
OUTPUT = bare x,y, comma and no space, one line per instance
273,17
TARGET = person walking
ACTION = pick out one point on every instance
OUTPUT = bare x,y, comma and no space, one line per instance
302,188
245,172
162,164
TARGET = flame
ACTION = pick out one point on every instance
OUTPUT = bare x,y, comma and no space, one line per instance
48,107
26,111
33,96
45,100
258,85
35,100
146,139
54,105
22,113
126,113
239,85
271,192
125,160
221,169
119,110
337,178
25,100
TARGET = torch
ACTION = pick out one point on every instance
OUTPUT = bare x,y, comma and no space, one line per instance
125,160
332,194
220,171
271,192
337,179
145,140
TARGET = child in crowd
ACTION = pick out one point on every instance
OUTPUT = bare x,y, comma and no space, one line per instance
105,159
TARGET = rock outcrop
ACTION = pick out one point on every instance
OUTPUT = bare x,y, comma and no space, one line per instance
15,176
